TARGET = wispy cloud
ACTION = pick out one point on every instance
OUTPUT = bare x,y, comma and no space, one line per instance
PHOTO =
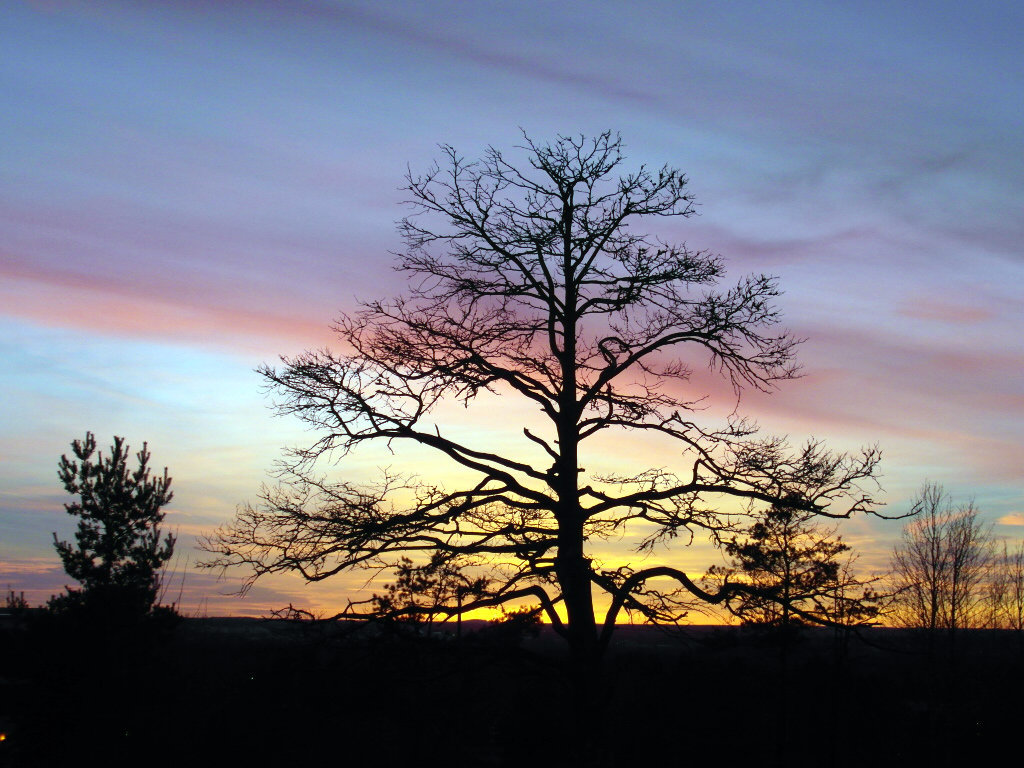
925,308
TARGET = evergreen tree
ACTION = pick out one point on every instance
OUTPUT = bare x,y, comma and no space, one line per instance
797,573
118,549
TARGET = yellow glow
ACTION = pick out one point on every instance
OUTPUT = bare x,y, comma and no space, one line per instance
487,614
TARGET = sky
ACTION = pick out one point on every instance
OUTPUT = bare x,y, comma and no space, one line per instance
191,189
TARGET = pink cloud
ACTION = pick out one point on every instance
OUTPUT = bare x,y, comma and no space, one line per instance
745,254
85,304
924,308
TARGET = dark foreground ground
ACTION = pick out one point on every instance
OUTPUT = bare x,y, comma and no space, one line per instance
243,692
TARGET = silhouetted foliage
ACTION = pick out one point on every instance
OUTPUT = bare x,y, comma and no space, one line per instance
118,549
532,281
801,574
513,625
422,592
15,602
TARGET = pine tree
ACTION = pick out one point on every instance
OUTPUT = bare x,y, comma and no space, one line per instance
797,572
118,549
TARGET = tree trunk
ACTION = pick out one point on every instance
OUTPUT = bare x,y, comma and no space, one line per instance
573,570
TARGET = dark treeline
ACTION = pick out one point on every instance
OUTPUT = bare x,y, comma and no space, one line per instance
237,691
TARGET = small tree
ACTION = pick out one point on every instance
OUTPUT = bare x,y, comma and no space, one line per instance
940,564
15,603
798,573
422,592
1013,565
1004,593
118,550
794,573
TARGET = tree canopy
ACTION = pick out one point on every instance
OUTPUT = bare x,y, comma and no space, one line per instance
531,278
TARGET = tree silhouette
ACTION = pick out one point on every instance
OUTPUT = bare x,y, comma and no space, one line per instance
940,565
421,592
801,574
1004,592
118,550
531,281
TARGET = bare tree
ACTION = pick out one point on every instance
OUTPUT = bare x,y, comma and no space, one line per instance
941,564
920,562
1013,563
532,282
1004,593
995,593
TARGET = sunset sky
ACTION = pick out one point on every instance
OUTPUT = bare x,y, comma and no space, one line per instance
188,189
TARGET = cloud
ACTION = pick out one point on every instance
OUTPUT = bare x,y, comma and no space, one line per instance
480,45
1015,518
85,304
924,308
743,252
